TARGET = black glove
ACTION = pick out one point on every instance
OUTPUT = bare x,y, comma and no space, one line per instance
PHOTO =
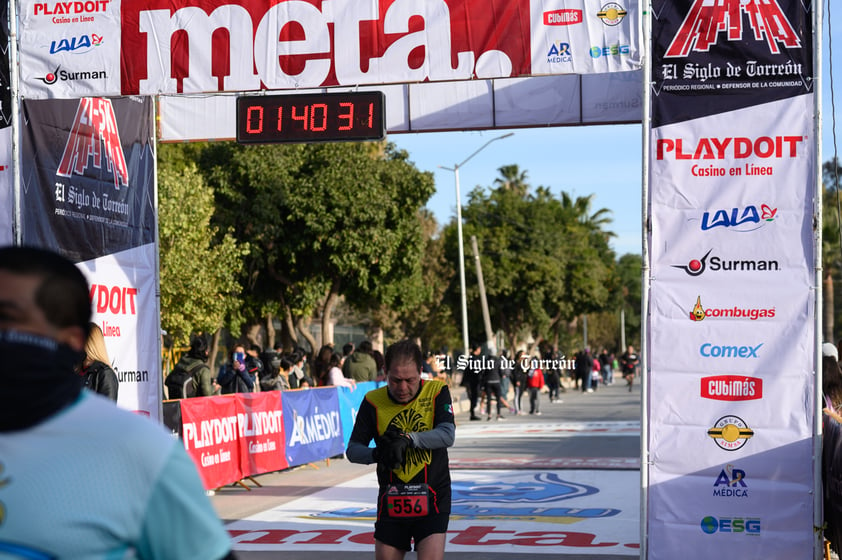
395,443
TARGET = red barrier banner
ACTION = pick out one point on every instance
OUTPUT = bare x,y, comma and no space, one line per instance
260,417
211,435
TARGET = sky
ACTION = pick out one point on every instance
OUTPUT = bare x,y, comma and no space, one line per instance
605,160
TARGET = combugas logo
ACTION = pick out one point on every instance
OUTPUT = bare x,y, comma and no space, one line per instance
730,433
731,483
698,266
706,20
699,313
611,14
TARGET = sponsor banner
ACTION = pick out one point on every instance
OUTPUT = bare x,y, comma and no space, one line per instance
261,432
211,434
5,74
124,289
349,405
72,49
313,425
171,415
577,513
731,330
709,161
712,57
87,171
69,49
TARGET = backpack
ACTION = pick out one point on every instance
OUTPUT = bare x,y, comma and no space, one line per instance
180,383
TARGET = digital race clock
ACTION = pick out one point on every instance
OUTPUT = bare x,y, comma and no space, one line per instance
310,117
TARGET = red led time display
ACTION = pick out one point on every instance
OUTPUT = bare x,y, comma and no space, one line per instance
310,117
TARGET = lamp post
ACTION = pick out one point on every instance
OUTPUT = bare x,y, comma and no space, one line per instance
455,170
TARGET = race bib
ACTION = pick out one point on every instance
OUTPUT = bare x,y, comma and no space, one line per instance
408,500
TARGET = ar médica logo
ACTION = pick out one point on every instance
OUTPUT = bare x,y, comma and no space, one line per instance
706,20
94,137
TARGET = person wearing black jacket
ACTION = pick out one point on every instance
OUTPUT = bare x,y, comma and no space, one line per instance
235,377
95,369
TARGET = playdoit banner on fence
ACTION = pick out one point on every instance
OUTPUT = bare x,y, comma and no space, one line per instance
731,324
147,47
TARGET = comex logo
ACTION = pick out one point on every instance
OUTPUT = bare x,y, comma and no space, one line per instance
611,14
747,525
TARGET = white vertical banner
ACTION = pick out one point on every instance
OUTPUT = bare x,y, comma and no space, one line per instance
731,320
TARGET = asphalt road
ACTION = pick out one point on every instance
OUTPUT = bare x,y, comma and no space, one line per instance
563,484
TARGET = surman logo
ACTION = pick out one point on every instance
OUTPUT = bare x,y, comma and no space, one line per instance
706,20
51,77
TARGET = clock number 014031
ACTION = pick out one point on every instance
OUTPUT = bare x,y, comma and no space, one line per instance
308,117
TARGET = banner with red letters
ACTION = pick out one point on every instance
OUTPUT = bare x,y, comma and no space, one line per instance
262,434
211,435
88,191
127,47
731,325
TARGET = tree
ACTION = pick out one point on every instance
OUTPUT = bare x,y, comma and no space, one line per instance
199,265
831,243
323,221
545,260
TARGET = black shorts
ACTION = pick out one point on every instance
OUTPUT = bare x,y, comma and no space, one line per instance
399,533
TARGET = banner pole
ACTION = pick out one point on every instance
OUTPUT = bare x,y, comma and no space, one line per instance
818,394
646,8
17,227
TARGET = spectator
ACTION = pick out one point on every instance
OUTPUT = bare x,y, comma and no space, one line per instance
98,375
277,379
83,478
321,365
195,371
334,373
606,361
234,377
360,366
298,379
520,376
584,369
628,365
380,361
535,382
254,365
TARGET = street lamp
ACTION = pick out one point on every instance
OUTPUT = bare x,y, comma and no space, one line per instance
455,170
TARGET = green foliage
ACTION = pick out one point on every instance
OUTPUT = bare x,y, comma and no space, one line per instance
545,260
199,265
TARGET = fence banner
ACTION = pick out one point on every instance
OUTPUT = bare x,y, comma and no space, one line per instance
261,432
211,436
731,320
313,426
147,47
6,205
349,405
88,191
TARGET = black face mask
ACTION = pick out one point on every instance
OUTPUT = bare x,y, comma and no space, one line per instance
37,378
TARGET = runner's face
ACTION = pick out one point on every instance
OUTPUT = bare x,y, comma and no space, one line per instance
403,380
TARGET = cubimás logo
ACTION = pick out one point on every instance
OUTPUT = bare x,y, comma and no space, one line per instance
730,433
748,525
731,483
706,20
559,52
563,17
58,74
699,313
698,266
739,219
611,14
731,388
612,50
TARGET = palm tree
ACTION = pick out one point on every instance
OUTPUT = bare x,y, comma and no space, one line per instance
513,179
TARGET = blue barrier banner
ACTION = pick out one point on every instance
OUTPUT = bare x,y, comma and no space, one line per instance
313,428
349,404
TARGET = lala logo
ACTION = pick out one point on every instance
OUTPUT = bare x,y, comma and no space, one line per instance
749,219
706,20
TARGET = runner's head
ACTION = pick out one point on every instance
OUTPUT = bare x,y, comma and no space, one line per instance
404,361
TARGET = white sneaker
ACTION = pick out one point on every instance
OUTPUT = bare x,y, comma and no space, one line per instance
589,391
